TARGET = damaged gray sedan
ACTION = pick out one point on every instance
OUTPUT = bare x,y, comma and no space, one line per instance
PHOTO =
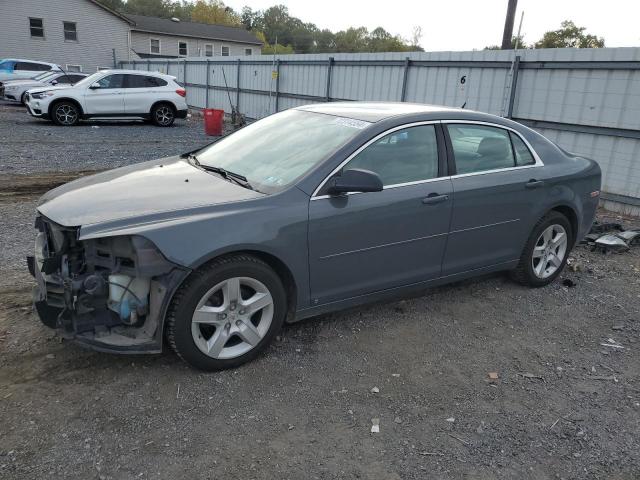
305,212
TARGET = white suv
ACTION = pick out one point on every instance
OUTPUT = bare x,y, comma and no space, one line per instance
112,94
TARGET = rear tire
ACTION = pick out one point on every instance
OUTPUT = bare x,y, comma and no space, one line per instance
65,113
226,313
163,115
546,251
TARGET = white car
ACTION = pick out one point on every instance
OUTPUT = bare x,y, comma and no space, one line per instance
15,90
17,68
114,94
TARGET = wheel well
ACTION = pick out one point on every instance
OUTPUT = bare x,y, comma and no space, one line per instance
70,100
571,216
281,270
159,102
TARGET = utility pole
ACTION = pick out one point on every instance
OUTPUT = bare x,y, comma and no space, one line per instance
508,25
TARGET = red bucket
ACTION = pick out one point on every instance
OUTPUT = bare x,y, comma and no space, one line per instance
213,121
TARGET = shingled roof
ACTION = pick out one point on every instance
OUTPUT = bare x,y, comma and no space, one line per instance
192,29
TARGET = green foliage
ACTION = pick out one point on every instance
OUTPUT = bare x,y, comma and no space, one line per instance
280,31
520,40
569,36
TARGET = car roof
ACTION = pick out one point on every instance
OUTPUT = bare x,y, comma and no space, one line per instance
138,72
376,111
27,60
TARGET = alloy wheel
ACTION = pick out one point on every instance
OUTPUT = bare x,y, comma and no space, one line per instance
164,115
66,114
232,318
549,251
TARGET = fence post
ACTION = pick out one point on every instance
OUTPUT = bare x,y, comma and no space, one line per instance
277,84
148,65
405,75
238,87
167,67
184,73
206,102
115,63
329,69
514,84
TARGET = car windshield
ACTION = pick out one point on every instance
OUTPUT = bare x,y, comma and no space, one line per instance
275,151
45,75
89,80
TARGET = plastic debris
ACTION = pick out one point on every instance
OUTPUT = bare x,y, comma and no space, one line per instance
375,390
451,419
493,376
397,420
375,425
611,242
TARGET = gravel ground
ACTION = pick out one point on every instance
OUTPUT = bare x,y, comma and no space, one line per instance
563,405
30,144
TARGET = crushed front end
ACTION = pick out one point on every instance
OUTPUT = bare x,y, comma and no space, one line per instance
110,294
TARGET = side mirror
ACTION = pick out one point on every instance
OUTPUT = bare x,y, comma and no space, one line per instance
94,86
54,82
355,180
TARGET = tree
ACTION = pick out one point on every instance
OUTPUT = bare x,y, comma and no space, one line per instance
520,40
117,5
152,8
569,36
214,12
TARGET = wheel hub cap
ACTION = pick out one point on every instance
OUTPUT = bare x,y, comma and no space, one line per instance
232,318
549,251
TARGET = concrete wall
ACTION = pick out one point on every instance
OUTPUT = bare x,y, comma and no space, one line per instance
99,32
196,46
585,100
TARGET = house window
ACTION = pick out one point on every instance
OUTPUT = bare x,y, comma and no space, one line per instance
74,68
70,32
154,45
183,49
36,27
224,51
208,50
248,51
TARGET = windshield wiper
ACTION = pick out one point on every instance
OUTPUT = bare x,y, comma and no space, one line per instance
226,174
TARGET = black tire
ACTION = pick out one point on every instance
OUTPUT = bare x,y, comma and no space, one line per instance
524,273
23,99
163,114
65,113
184,303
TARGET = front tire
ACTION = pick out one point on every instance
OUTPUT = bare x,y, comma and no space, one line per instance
546,251
163,115
23,99
226,313
65,113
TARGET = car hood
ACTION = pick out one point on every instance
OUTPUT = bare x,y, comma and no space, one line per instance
22,83
49,87
166,185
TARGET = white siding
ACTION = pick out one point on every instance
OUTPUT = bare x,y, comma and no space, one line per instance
169,45
99,32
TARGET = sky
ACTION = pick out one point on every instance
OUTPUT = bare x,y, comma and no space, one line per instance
458,25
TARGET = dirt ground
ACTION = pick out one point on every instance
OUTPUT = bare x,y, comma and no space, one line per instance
563,405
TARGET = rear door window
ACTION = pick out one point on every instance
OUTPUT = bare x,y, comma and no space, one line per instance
478,148
144,81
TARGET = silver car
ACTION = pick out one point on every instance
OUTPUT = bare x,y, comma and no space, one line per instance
16,90
308,211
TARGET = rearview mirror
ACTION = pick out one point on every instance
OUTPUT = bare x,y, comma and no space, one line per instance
355,180
94,86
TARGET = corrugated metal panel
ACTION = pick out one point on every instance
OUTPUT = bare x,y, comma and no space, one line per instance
585,96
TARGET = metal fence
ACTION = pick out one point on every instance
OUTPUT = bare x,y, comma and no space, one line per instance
587,101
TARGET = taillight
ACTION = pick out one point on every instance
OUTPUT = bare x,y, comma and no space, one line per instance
182,92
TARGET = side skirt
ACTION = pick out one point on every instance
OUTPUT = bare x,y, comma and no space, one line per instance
398,292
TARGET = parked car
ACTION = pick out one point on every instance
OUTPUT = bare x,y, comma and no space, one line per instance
308,211
16,90
17,68
111,94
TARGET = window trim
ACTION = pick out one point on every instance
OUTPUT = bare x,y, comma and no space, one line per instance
315,196
159,46
538,160
30,27
64,31
249,49
225,46
204,50
66,67
180,54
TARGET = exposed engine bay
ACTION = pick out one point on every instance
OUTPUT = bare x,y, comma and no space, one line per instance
110,293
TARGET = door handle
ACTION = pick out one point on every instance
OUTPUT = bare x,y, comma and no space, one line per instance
533,183
434,198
